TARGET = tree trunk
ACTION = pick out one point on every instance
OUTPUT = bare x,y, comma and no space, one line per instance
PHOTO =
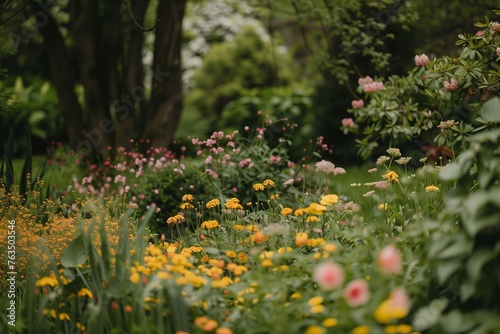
61,72
166,91
125,107
85,28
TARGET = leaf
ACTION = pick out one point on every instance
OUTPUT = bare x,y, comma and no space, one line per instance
75,254
456,170
477,261
490,110
428,316
447,268
456,322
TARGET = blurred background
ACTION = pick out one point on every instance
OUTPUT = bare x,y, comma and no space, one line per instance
93,75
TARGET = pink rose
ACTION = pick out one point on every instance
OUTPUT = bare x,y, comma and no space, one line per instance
451,85
356,104
390,260
347,123
421,60
356,293
328,275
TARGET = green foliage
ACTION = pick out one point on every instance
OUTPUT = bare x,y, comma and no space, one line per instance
33,107
28,183
469,256
233,68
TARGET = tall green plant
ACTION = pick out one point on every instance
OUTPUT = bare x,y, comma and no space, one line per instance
464,252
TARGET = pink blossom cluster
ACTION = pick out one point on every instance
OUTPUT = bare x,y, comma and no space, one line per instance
373,87
356,104
451,85
348,123
246,163
421,60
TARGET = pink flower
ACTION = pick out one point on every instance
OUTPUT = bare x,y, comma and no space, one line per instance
451,85
373,87
356,104
498,51
480,33
348,123
389,260
356,293
364,81
328,275
421,60
338,171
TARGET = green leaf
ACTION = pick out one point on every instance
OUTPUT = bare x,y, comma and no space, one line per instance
477,261
75,254
459,168
447,268
490,110
428,316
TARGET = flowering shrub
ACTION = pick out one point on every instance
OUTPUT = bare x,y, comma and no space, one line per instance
438,101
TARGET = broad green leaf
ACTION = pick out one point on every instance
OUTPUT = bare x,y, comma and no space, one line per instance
456,170
428,316
75,254
477,261
490,110
448,268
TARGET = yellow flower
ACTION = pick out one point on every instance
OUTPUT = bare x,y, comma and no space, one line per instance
312,219
223,330
233,204
134,277
315,330
431,189
317,309
212,203
267,263
187,198
210,224
391,176
48,280
239,227
252,228
242,257
299,212
301,239
330,322
382,206
329,247
296,295
315,209
175,219
361,330
85,292
286,211
258,187
318,300
268,183
385,312
64,316
329,199
231,254
186,206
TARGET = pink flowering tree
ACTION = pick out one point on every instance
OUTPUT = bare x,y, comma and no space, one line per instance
436,102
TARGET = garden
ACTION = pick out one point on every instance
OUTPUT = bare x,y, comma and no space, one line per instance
260,229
